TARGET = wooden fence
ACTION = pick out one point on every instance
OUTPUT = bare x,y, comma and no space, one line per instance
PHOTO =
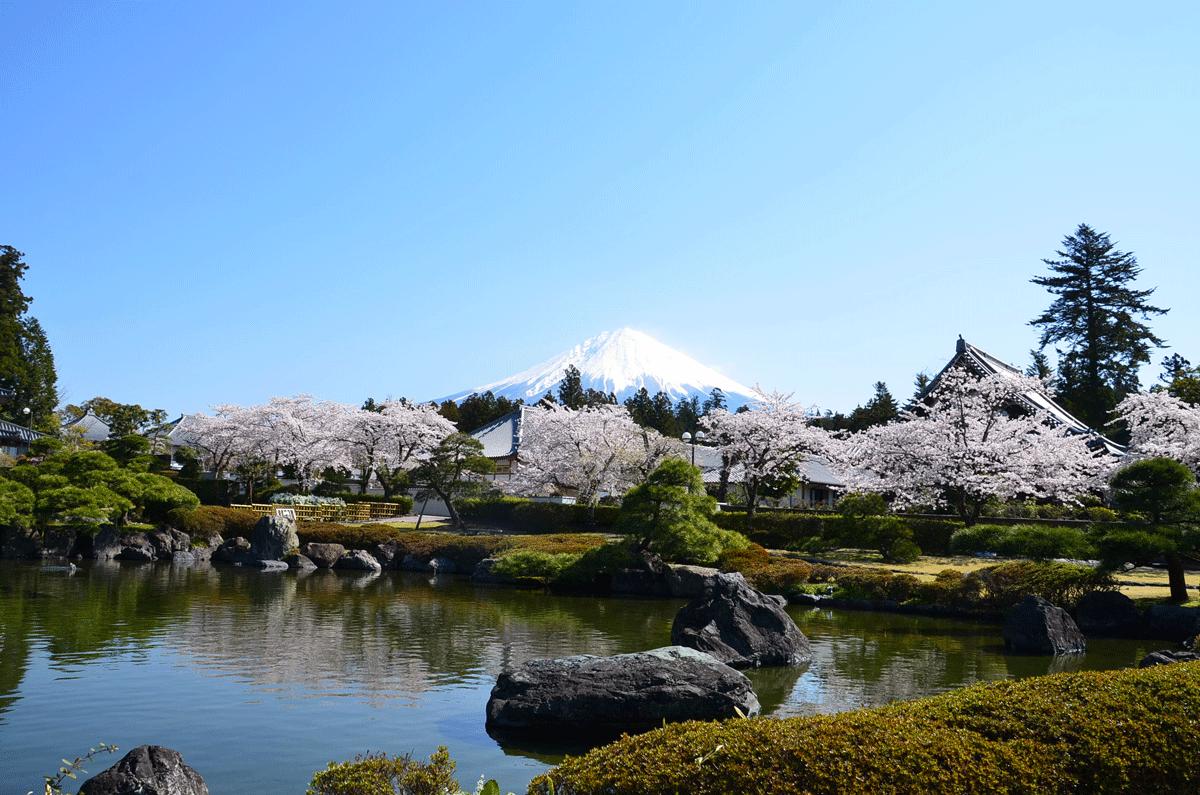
351,512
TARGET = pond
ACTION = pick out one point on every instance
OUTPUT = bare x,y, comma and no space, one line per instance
261,679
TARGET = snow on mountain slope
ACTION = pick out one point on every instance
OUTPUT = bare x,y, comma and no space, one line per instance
620,362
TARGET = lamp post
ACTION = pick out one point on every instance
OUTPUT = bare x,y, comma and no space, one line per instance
693,440
27,411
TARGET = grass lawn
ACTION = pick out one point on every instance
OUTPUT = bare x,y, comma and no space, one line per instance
1142,583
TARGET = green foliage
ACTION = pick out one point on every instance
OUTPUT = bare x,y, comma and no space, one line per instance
767,573
161,495
476,410
1161,489
525,563
528,516
16,505
213,520
69,504
1096,321
901,550
71,768
451,468
856,505
1111,732
1038,542
124,449
380,774
813,531
593,567
1060,583
671,515
26,361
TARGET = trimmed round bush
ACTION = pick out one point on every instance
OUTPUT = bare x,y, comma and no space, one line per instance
1111,732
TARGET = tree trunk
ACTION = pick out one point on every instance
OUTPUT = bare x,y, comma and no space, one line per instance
751,499
1175,575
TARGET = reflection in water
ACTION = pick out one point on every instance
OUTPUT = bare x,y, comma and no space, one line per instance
327,665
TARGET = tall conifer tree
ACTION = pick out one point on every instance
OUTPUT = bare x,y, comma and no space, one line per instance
1097,323
26,361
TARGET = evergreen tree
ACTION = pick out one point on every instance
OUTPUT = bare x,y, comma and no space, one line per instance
1039,365
687,414
920,384
26,362
715,400
663,417
1098,319
570,389
641,407
478,410
879,410
1180,379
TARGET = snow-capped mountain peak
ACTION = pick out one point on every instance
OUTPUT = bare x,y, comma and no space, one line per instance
621,362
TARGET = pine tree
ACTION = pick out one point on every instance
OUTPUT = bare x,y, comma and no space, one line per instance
879,410
715,400
1098,319
1180,379
570,389
921,384
26,361
641,407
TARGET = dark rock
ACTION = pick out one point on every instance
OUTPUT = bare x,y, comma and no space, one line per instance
168,542
604,696
183,558
1171,622
1034,626
273,537
17,544
298,561
107,544
324,555
388,554
740,626
1167,657
485,572
138,553
58,543
358,560
147,770
232,550
1108,613
411,562
690,582
640,582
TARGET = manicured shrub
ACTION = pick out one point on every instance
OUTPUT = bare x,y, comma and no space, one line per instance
1061,583
380,774
523,563
528,516
1038,542
901,550
206,521
594,568
860,504
950,588
1111,732
160,496
16,504
781,576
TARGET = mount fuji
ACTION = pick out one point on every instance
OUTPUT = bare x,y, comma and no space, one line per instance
620,362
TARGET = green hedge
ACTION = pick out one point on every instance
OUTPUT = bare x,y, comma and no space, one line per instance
209,520
1039,542
1110,732
528,516
815,531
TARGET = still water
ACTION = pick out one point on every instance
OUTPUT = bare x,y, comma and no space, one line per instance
260,679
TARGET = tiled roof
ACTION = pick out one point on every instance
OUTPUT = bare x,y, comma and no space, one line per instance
502,437
10,430
981,362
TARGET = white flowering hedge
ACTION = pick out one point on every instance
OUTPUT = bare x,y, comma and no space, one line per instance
306,499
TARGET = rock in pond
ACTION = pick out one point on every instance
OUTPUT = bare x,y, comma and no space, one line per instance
740,626
604,696
273,537
147,770
324,555
690,582
358,560
299,562
1168,657
232,550
1035,626
1108,613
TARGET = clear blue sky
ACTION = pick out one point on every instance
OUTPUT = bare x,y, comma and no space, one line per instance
223,201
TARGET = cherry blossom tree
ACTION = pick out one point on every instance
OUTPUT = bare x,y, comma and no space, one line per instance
972,443
411,433
1161,425
769,441
302,433
225,439
592,451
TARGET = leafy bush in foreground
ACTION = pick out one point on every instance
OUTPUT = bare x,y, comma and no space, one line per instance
1037,542
1110,732
522,563
380,774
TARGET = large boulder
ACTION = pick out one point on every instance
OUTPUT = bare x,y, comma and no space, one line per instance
169,542
1108,613
1034,626
232,550
690,582
273,537
324,555
358,560
605,696
107,544
740,626
299,562
147,770
1171,622
388,553
1168,657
